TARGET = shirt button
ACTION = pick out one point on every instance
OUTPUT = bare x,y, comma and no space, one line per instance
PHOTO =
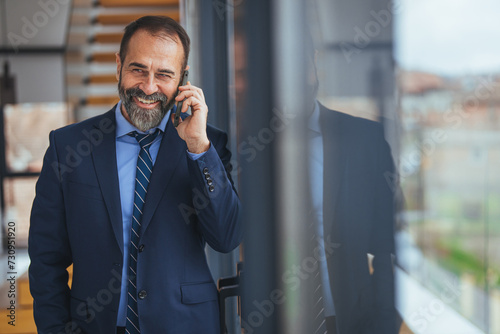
141,248
142,294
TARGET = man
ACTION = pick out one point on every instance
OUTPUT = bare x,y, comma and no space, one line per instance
130,201
352,191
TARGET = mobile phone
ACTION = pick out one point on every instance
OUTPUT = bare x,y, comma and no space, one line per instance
177,115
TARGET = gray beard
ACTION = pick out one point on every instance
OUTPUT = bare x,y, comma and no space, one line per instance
144,119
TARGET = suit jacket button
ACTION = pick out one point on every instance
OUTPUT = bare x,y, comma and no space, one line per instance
210,182
208,177
211,188
142,294
205,170
141,248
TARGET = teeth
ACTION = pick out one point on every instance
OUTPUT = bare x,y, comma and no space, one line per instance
146,101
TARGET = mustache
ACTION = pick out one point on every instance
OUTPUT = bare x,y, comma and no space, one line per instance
137,92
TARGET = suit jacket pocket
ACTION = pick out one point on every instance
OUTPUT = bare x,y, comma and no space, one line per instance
195,293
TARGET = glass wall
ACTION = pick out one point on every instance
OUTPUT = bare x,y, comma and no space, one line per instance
448,75
426,74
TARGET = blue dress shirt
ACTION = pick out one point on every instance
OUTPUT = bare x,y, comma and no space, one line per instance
316,179
127,151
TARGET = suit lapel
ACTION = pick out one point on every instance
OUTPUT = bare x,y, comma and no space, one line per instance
104,158
172,149
334,166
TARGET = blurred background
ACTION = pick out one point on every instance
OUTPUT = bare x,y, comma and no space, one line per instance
428,71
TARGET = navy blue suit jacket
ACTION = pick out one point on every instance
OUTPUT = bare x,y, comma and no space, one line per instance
76,219
359,196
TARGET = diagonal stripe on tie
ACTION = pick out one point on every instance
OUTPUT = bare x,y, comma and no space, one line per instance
143,174
317,311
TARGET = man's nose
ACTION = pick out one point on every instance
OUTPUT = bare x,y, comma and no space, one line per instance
149,85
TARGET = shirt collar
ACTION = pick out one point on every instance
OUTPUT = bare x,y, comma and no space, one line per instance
314,119
123,127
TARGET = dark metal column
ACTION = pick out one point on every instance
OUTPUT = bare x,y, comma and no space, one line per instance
274,178
213,61
257,176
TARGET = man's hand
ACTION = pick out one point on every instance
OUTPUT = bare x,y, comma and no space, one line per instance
193,129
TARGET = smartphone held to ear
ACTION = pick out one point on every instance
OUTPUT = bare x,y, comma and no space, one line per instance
177,115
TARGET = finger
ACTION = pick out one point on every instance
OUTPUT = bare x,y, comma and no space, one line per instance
188,102
184,87
189,93
198,90
189,86
195,104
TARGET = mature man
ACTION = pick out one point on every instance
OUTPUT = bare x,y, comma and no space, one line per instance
130,201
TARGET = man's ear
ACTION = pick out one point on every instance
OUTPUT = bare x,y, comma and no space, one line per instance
118,66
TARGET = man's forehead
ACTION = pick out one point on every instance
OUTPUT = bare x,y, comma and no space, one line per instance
161,35
136,43
136,53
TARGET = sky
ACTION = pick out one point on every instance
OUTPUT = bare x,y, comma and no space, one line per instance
448,37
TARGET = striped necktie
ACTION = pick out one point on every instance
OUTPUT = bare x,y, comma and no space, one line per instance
315,217
318,309
142,176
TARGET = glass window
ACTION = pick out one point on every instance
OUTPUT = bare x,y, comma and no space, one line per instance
447,80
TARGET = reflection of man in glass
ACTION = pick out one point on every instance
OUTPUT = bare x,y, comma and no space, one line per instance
353,206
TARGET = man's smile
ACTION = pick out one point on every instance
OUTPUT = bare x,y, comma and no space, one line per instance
146,103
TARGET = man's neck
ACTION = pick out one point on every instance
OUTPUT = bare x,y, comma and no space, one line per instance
125,113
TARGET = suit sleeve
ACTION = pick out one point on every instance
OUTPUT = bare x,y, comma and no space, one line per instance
49,249
219,212
382,246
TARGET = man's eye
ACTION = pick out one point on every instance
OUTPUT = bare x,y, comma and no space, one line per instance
137,70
